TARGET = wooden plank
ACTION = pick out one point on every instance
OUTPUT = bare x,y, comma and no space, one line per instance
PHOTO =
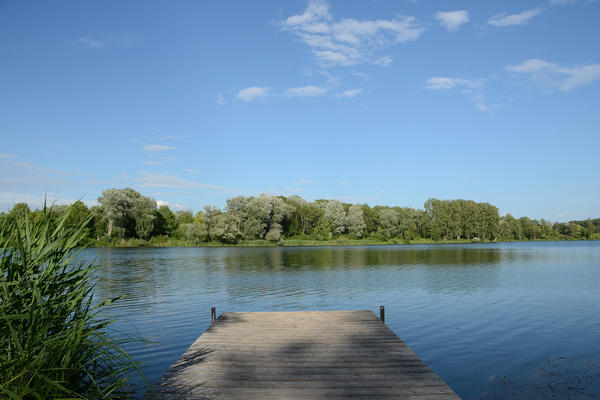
300,355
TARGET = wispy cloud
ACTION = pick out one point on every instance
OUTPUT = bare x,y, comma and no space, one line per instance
165,180
361,75
107,40
220,100
384,61
157,147
90,42
307,182
173,137
151,162
15,173
551,75
349,93
348,41
253,93
452,20
306,91
562,2
471,88
443,83
502,20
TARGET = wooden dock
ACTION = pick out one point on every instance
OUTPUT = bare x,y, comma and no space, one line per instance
300,355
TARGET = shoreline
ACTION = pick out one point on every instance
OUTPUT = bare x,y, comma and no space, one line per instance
136,243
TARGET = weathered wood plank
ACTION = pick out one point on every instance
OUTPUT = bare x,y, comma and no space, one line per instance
300,355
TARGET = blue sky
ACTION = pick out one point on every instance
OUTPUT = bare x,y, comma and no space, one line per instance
383,102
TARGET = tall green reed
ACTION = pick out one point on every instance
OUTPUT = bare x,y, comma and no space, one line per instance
53,342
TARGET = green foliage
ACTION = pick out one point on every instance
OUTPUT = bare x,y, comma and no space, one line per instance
126,218
323,229
166,221
128,213
53,342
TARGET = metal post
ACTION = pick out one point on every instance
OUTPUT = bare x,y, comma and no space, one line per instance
213,315
382,313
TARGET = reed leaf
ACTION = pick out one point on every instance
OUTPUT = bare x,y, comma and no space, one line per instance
53,339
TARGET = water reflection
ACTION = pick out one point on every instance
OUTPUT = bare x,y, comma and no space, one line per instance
470,311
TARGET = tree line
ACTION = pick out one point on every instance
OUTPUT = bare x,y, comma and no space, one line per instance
125,214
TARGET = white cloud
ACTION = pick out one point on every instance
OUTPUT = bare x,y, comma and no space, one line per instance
16,173
552,75
452,20
109,40
306,91
174,206
361,75
471,88
384,61
157,147
165,180
253,93
562,2
443,83
220,100
348,41
349,93
90,42
150,162
307,182
523,18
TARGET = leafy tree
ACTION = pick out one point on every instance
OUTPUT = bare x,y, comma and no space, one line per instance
388,223
370,217
333,210
144,215
166,221
226,229
116,205
184,217
323,229
355,221
211,215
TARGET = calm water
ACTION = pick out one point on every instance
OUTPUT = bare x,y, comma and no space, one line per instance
517,320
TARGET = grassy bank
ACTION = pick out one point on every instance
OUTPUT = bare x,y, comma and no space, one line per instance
292,242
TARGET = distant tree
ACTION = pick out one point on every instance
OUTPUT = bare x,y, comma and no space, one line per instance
184,217
303,217
116,205
355,221
226,229
388,223
333,210
144,215
192,231
370,217
166,221
323,229
210,216
127,212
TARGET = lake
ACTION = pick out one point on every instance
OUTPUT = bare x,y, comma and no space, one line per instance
505,320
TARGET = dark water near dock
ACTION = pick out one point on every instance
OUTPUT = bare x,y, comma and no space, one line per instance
507,320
